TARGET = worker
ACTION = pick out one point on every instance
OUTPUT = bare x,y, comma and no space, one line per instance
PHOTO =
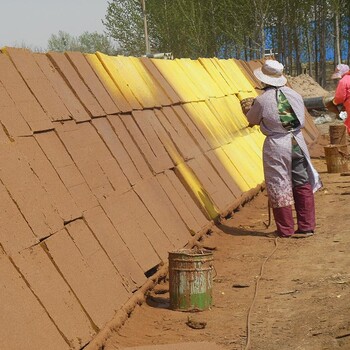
342,92
290,177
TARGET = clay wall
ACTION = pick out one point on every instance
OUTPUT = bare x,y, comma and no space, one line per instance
107,164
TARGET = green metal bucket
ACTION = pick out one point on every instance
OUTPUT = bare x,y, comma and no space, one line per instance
190,279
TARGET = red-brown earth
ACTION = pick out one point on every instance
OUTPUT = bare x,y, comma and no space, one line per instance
302,286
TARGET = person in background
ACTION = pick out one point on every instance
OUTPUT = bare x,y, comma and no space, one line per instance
342,91
289,175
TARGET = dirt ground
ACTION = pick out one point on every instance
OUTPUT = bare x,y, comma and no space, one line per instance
268,293
302,286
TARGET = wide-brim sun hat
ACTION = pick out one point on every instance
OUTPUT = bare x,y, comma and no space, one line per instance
271,73
340,71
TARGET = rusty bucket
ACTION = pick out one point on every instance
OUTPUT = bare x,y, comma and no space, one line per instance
190,279
337,158
337,134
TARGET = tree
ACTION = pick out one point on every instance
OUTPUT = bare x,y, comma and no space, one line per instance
124,23
86,42
92,42
62,42
187,28
301,30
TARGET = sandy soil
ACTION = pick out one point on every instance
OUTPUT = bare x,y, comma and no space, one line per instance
307,86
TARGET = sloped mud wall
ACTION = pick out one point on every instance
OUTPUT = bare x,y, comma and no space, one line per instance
107,164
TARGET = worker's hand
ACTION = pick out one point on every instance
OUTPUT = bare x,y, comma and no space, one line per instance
328,102
246,104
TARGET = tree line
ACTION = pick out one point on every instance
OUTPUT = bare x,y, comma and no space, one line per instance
300,32
305,35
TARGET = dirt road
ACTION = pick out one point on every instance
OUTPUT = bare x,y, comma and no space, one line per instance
302,299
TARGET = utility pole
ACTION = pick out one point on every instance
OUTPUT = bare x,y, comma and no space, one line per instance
148,49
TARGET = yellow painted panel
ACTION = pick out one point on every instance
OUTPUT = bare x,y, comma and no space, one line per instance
213,123
234,104
197,118
179,81
247,145
99,69
231,81
251,143
232,169
211,68
209,125
201,78
227,116
245,163
198,191
235,74
153,86
255,139
119,79
137,84
108,83
229,112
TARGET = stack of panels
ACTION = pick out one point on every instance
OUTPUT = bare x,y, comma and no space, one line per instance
235,73
200,78
117,161
74,81
93,83
85,216
27,105
179,81
76,109
108,83
247,72
212,124
211,67
39,84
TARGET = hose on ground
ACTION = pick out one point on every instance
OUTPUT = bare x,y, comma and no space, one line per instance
247,346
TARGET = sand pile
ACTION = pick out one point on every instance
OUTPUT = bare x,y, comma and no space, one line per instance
306,86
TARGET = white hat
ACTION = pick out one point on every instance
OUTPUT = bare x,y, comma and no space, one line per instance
271,73
340,70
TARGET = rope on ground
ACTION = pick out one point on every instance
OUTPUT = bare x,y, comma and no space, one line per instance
256,293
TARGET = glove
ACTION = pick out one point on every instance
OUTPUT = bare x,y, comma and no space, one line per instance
328,102
246,104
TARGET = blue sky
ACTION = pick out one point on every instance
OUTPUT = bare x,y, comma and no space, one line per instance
31,22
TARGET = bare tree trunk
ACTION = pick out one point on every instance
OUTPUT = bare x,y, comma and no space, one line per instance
337,57
245,49
251,51
290,54
297,51
280,47
323,46
309,54
263,38
316,50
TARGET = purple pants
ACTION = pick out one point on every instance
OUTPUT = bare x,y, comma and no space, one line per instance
305,209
